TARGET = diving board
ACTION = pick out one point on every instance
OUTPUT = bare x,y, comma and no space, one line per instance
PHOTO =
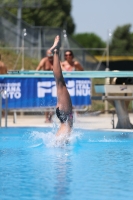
119,101
114,89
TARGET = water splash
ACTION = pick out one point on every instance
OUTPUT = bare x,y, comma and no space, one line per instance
49,139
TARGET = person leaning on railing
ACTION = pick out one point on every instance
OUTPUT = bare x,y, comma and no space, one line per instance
69,64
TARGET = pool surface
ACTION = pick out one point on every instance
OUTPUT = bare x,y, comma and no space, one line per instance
95,165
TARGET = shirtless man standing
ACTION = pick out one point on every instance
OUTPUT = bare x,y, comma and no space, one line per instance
69,64
46,64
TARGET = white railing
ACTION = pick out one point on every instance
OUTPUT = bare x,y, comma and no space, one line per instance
74,74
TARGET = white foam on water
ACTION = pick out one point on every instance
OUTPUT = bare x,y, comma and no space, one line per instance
50,139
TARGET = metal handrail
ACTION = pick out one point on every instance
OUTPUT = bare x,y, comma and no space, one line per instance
73,74
6,107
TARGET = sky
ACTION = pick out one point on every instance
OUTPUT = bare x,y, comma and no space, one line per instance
101,16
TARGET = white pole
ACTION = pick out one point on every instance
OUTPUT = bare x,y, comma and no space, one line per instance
23,35
19,17
6,107
107,80
108,41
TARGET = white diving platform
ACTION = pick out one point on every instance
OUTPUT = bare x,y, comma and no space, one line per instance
112,89
113,94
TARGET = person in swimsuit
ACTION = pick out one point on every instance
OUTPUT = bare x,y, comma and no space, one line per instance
70,64
64,104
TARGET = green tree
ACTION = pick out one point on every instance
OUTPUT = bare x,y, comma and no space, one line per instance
122,41
90,40
53,13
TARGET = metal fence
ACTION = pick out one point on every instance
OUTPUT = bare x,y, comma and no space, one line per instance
34,41
18,3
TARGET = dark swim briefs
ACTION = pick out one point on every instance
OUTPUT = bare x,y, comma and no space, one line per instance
63,117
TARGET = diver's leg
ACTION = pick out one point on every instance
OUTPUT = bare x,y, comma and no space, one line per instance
64,101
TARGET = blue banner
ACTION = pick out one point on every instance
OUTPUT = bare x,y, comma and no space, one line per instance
41,92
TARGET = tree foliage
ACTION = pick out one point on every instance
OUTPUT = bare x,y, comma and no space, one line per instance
122,41
90,40
53,13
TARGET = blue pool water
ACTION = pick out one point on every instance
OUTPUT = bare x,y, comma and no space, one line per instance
95,165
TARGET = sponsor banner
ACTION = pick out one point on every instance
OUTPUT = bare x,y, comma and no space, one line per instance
41,92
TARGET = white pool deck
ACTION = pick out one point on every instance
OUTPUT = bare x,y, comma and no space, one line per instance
89,121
